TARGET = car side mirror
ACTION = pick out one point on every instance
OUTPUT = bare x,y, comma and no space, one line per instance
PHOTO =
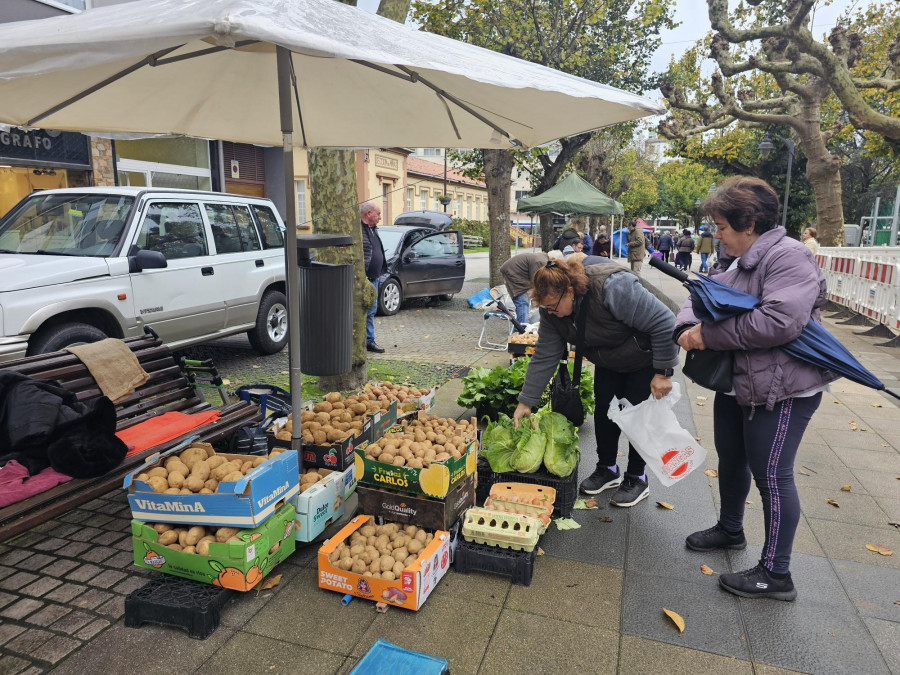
146,260
409,256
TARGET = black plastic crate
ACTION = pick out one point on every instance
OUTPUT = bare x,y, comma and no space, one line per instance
473,557
566,488
180,603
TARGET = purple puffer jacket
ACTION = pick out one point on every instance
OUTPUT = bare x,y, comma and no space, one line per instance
784,275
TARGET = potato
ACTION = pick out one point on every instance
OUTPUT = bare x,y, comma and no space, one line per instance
172,491
143,476
247,466
211,484
389,575
194,483
414,546
162,527
421,536
168,537
235,539
176,480
185,491
357,550
332,397
201,470
386,563
224,533
175,547
258,461
400,554
398,568
203,547
382,541
274,547
345,563
158,471
334,556
178,466
215,462
223,470
189,549
232,477
358,567
195,534
399,540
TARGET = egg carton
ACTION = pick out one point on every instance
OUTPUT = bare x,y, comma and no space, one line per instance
503,505
506,530
524,493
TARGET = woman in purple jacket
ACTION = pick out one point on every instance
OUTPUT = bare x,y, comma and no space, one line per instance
759,425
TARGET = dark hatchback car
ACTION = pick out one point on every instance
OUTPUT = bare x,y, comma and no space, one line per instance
421,263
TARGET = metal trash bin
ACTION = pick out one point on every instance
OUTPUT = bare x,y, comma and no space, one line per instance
325,295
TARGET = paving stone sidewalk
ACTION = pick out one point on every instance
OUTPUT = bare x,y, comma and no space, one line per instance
595,603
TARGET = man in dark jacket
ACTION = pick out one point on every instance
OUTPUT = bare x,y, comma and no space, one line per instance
665,245
375,264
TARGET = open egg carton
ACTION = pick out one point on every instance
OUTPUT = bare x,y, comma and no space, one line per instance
505,530
521,498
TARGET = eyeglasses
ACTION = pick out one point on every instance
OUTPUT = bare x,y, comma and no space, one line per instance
555,307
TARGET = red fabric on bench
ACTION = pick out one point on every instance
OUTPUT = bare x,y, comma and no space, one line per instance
164,428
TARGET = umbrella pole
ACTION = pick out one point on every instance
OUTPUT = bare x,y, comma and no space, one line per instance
290,240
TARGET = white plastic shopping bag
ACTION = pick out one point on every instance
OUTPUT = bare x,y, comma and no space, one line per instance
670,451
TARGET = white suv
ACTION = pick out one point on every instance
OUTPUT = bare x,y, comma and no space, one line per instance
81,264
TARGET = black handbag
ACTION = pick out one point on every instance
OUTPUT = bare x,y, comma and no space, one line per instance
565,398
710,369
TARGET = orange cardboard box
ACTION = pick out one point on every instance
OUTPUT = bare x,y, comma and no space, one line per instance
409,591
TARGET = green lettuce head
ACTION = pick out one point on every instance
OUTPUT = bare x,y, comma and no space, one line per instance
561,452
499,444
529,451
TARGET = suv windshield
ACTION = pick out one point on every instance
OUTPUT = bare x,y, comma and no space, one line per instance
66,224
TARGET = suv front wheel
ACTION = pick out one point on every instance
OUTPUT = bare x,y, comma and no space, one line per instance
270,334
60,336
390,297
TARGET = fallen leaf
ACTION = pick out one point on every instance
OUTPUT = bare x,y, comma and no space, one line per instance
271,582
591,503
876,405
712,473
837,402
701,398
425,337
697,438
566,524
852,421
605,519
707,570
284,372
665,505
748,501
583,504
877,548
540,551
803,473
676,619
225,381
897,602
885,445
701,404
846,488
571,585
257,366
863,429
833,503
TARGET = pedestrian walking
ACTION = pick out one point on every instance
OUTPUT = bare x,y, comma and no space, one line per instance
759,425
809,237
637,247
705,247
665,246
634,356
375,264
684,247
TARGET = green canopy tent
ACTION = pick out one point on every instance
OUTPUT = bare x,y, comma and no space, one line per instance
572,195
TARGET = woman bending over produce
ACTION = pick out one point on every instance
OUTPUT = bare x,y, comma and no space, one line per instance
628,337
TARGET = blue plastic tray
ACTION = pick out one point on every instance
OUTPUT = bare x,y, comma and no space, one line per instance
386,658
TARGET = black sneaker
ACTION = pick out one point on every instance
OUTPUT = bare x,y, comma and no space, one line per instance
632,490
372,347
758,583
714,538
602,479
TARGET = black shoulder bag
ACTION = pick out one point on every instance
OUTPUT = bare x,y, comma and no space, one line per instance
710,369
565,398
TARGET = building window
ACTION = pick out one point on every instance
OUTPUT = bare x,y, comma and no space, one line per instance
432,152
456,206
468,208
522,194
423,199
409,199
301,203
386,202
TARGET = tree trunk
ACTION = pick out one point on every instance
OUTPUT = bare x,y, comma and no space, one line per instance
498,166
332,182
546,232
823,170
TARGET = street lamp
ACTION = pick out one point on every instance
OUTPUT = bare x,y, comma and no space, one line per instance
765,149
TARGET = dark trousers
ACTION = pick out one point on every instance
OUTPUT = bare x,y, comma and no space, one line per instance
665,255
763,448
635,388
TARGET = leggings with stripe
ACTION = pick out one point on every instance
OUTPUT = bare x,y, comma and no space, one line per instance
763,448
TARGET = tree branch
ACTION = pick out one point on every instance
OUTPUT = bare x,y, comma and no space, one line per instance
885,83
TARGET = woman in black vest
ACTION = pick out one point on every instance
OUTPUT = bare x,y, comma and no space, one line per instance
628,337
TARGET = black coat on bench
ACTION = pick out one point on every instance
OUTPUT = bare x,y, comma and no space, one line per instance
42,424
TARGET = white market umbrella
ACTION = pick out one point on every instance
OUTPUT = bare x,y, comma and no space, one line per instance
253,71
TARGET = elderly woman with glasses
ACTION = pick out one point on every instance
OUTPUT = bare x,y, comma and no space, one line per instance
628,336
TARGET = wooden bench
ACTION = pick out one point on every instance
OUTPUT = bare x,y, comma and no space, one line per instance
472,241
166,390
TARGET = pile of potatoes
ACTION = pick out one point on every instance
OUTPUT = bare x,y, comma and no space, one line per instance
422,441
523,338
196,538
333,420
381,551
388,392
194,472
310,478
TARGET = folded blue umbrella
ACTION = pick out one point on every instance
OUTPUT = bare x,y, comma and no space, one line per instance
715,301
